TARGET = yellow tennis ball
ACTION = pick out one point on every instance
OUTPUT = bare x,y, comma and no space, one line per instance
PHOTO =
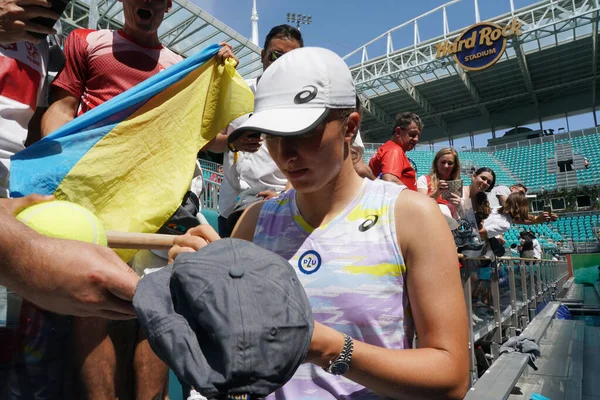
64,220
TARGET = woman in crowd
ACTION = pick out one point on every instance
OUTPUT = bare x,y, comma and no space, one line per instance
361,248
445,167
474,210
514,210
475,206
527,244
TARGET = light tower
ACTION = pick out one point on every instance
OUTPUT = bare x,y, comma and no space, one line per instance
254,20
299,19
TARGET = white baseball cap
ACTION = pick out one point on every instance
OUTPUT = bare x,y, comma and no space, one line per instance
296,92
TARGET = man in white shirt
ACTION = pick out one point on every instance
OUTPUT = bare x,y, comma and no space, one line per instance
246,161
497,196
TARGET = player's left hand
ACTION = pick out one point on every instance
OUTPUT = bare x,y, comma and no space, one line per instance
225,52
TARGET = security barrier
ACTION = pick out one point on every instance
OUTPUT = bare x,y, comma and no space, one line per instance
503,295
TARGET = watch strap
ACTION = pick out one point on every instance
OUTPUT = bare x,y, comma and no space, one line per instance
344,357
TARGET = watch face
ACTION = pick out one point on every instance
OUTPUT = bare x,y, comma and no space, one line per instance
339,368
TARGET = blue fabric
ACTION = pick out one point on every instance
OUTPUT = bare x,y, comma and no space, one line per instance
563,313
37,170
537,396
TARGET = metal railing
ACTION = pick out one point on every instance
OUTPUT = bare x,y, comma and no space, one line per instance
503,295
209,165
209,198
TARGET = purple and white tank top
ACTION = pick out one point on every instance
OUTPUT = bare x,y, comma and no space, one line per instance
354,275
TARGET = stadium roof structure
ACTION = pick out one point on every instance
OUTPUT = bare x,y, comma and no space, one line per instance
550,70
186,29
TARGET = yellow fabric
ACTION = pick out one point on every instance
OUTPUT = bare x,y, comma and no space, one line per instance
135,177
377,270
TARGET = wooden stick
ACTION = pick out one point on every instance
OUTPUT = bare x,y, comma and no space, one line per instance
133,240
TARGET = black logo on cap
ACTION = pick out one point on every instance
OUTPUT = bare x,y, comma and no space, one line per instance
309,93
370,222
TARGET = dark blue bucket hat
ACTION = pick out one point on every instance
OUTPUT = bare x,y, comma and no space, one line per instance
232,319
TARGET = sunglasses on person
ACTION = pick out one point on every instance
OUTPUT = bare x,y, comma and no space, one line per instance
274,55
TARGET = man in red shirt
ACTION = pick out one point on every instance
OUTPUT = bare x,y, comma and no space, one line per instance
103,64
390,161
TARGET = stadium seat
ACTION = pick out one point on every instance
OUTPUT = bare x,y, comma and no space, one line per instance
212,217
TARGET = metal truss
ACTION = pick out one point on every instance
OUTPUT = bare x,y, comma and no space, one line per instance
515,97
186,29
418,62
522,60
416,95
383,117
464,76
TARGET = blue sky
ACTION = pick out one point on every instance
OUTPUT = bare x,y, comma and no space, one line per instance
344,26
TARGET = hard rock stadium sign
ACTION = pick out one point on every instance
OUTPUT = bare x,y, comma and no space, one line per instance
480,45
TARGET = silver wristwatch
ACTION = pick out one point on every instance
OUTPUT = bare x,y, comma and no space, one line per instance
341,364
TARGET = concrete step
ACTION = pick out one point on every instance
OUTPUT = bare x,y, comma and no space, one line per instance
560,367
591,363
574,294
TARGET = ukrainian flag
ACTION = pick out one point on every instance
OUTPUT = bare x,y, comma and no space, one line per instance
131,159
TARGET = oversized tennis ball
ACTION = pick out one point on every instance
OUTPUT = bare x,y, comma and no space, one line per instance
64,220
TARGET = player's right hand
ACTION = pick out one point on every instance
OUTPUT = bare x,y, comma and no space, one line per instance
194,239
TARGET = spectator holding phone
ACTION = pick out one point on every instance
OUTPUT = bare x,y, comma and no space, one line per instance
23,84
514,210
247,163
498,195
474,209
444,168
19,21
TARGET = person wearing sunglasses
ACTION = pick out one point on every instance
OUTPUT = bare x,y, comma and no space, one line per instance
246,161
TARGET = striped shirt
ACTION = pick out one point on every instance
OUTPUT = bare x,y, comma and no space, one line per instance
354,275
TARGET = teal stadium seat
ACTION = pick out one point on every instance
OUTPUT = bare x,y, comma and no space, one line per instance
528,164
212,217
424,158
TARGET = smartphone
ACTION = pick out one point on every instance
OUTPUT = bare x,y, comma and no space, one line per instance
58,6
548,209
455,187
254,135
